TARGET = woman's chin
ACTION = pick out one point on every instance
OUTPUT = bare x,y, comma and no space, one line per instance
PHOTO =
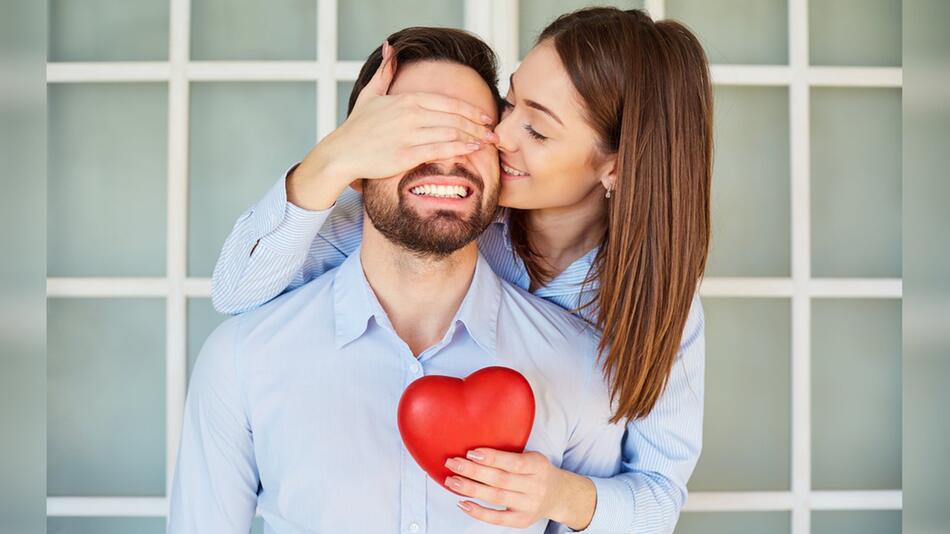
516,197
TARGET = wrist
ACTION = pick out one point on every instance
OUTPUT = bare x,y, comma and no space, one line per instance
578,501
318,180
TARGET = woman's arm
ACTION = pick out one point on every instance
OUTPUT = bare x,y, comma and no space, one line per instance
660,450
276,246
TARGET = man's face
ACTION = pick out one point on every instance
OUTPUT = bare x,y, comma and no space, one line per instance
420,209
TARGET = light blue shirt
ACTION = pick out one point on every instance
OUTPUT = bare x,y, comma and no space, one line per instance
292,408
291,246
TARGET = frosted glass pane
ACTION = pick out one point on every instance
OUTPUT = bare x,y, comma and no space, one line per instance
107,179
343,90
243,137
253,29
105,525
748,387
856,392
535,15
106,30
733,522
863,33
750,190
856,182
363,24
737,31
202,320
106,397
856,522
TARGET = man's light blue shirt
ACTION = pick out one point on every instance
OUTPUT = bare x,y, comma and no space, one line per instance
276,246
292,409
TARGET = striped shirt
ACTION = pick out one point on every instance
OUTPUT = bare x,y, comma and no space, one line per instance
276,246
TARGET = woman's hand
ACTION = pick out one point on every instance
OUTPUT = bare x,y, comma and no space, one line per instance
386,135
526,484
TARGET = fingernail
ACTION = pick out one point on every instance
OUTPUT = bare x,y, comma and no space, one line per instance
453,483
453,464
464,506
473,146
472,455
489,136
486,119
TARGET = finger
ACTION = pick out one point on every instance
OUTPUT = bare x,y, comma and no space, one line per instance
489,475
428,118
388,71
513,462
506,518
437,151
378,85
441,134
477,490
448,104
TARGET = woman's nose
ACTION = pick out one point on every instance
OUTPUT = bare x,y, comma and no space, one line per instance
506,141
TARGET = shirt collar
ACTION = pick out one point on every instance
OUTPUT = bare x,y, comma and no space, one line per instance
355,304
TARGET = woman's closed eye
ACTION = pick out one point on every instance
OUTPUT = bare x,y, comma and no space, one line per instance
533,133
508,106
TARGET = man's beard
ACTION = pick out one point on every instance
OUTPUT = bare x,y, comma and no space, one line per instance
439,234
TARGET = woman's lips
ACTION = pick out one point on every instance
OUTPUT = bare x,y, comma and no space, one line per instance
512,173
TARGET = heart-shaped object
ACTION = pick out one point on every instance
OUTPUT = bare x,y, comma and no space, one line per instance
441,417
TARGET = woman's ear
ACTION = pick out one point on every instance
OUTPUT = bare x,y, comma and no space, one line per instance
608,173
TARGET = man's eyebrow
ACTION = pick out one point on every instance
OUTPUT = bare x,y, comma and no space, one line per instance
532,103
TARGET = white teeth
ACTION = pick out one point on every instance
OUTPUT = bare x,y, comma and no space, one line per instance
513,172
442,191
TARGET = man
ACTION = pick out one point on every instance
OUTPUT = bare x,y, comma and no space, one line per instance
292,406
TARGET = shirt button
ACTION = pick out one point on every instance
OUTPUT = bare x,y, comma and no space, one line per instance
415,369
413,527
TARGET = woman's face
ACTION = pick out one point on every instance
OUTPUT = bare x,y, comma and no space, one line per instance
549,156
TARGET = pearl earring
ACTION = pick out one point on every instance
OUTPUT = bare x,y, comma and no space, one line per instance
608,193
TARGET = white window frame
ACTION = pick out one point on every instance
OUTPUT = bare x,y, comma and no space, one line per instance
496,21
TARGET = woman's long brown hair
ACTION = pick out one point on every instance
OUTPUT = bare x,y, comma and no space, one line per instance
647,93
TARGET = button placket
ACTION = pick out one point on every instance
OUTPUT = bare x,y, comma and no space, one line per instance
414,491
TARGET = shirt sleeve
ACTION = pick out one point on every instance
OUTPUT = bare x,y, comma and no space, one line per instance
216,476
660,450
276,246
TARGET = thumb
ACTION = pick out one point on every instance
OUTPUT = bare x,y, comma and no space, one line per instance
379,84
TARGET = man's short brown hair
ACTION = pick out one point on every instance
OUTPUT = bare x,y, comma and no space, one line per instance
420,43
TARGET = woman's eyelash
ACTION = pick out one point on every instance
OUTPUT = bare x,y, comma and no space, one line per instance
533,133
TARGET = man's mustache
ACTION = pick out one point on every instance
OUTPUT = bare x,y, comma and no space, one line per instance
432,169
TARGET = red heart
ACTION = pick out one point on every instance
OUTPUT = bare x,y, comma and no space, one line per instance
441,417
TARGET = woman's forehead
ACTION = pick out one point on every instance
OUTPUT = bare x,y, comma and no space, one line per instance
541,77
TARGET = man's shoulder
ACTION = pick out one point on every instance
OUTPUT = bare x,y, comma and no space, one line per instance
314,297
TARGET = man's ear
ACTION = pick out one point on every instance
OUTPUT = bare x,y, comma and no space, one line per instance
357,185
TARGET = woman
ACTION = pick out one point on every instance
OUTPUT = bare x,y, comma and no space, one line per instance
605,145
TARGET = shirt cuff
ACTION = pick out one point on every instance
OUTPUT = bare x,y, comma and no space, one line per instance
614,509
282,226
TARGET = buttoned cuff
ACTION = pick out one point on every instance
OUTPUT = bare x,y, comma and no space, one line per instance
283,227
614,509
